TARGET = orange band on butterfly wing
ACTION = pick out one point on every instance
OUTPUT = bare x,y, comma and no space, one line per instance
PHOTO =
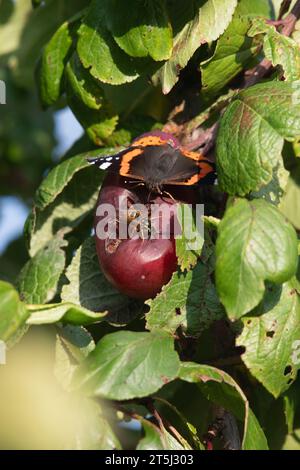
193,155
206,167
149,140
126,159
188,182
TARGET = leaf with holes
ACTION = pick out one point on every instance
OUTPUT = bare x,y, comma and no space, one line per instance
255,244
275,191
252,133
279,49
268,336
190,300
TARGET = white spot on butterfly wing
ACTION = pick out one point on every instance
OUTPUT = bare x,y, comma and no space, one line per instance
104,162
104,165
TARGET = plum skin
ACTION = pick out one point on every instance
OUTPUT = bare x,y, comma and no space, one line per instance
138,268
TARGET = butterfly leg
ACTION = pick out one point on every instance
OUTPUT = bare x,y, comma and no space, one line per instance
169,195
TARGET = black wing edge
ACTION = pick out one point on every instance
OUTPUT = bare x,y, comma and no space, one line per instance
95,160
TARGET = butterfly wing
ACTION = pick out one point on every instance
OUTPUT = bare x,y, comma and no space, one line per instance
117,163
186,173
174,166
157,164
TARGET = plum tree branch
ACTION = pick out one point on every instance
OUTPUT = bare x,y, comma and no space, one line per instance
206,139
265,66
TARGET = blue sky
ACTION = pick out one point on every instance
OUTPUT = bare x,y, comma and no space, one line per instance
13,211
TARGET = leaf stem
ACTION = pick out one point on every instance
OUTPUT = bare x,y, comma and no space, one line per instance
207,138
265,66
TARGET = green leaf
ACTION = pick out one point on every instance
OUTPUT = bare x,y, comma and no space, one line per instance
211,221
99,52
152,438
65,197
233,52
279,49
98,124
89,288
39,278
131,127
64,366
194,22
182,423
141,29
292,442
58,178
190,242
82,84
234,49
268,337
65,312
13,312
128,364
254,8
190,300
274,191
160,439
93,431
73,344
252,133
290,204
125,98
220,388
53,61
255,244
291,401
77,340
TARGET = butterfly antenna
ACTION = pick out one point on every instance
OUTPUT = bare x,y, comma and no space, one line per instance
169,194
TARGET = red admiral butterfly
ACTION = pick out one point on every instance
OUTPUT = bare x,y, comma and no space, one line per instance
158,160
